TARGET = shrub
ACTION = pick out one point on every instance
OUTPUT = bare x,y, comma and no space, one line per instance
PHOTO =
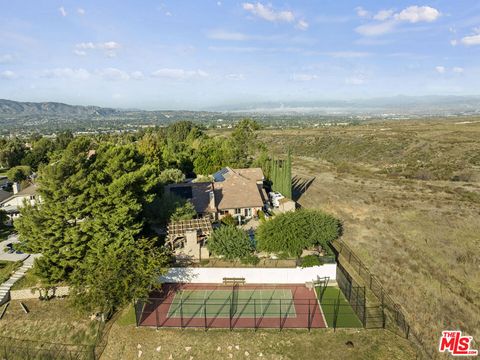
250,259
293,232
261,215
229,220
310,260
19,173
184,212
231,242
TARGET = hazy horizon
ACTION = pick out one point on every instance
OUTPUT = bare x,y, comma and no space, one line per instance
203,55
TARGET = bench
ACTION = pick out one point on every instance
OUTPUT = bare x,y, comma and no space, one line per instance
233,281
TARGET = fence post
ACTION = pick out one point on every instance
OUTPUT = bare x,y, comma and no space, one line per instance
384,320
230,312
309,319
156,313
181,313
280,314
254,315
364,308
335,314
205,313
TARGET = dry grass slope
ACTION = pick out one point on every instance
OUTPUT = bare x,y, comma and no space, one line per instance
409,198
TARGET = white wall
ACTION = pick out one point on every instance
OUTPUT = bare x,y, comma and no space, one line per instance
251,275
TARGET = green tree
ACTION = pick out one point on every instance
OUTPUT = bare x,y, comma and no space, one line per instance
93,207
39,154
172,176
230,242
63,139
118,274
280,175
211,156
19,173
292,232
184,212
12,153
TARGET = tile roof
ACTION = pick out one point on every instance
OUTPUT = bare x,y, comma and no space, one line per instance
200,195
237,192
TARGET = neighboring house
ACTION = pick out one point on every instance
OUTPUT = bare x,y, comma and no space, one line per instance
15,201
3,180
238,192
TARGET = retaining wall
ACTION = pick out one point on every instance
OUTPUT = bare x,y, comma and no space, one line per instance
251,275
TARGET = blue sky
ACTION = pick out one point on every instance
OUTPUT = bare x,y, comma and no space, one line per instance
199,54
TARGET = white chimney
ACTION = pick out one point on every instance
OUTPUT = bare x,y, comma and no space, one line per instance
211,203
16,187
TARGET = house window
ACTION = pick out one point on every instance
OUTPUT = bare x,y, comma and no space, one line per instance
248,212
238,211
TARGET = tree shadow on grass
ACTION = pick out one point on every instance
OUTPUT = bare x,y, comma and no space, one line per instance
300,186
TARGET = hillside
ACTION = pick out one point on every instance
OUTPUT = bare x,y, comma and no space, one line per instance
9,107
408,197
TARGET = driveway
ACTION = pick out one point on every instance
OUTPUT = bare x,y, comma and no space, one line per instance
5,256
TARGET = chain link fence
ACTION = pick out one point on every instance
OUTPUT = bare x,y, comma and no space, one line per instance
20,349
390,309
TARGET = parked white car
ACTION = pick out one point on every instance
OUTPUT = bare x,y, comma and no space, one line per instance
275,197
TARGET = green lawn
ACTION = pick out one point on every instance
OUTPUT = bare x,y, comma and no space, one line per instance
346,318
30,280
7,268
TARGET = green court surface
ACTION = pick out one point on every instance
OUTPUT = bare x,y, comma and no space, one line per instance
238,303
345,316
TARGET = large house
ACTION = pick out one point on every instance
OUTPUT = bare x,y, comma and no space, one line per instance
12,204
238,192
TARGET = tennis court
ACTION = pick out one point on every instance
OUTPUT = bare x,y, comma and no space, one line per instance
231,306
240,302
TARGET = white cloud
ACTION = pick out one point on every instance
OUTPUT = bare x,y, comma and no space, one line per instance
113,74
458,70
383,15
304,77
440,69
79,52
471,40
302,25
375,29
168,13
416,14
8,75
453,42
219,3
348,54
81,11
267,12
62,10
6,58
387,20
355,80
109,47
362,12
66,73
227,35
179,74
137,75
235,77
